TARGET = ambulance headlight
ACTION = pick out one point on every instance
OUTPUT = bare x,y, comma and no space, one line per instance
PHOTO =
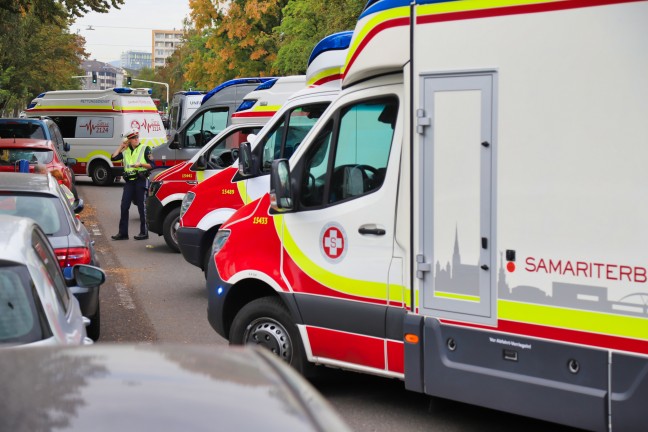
219,241
186,202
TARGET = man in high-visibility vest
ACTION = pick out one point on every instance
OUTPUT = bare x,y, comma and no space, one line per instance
138,161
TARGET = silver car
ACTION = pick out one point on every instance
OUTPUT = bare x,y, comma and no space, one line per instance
158,388
39,196
36,304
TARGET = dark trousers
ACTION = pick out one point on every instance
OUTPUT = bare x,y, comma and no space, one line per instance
134,191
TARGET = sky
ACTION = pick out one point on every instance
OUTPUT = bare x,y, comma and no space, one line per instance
128,28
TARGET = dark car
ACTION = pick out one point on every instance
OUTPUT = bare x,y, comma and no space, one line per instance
39,197
157,388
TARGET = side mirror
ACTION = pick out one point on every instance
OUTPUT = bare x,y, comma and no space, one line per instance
84,276
281,198
78,206
200,164
70,161
175,142
245,159
66,146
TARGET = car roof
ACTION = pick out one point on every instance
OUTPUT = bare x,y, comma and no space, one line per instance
23,182
160,387
15,235
17,143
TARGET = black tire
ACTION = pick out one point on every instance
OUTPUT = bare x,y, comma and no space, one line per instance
169,228
101,173
94,329
267,322
207,257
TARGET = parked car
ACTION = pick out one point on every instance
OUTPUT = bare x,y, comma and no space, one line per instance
40,197
36,304
158,387
24,140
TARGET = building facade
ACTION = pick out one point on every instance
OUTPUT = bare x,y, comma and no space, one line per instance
164,43
136,60
108,76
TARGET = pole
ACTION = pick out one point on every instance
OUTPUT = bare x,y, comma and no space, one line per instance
157,82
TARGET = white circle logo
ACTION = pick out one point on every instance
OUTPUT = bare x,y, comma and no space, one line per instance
333,242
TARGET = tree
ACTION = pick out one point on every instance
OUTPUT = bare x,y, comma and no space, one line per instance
57,10
305,23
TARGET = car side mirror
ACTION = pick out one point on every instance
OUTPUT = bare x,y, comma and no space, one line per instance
78,206
245,159
281,199
84,276
66,146
70,162
175,142
200,164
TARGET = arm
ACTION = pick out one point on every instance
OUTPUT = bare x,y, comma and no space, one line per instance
117,154
148,163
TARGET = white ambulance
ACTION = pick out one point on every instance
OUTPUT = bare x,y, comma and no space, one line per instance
468,216
94,123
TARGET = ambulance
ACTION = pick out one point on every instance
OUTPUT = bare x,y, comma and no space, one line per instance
94,123
170,185
468,216
209,204
183,105
212,116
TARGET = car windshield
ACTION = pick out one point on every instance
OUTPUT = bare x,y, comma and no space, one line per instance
19,319
47,211
21,130
9,156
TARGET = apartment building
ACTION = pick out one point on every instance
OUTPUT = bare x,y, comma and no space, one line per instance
164,43
108,76
136,60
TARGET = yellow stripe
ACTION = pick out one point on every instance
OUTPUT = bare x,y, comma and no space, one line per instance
473,5
379,18
573,319
265,108
356,287
200,176
456,296
325,73
92,155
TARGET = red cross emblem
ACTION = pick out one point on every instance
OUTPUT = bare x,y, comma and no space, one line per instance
333,242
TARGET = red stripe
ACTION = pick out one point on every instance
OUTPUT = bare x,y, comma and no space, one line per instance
517,10
347,347
328,79
396,356
254,114
396,22
563,335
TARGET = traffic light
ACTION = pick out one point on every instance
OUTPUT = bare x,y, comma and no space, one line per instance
129,81
94,77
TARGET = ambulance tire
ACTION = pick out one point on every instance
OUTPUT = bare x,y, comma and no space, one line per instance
94,329
267,322
101,174
169,227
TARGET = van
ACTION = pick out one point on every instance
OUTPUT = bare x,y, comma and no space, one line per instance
267,99
183,105
468,216
208,120
94,123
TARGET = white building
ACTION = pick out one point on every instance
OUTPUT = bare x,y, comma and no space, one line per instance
108,76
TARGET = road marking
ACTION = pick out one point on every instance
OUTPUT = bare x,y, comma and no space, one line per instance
124,296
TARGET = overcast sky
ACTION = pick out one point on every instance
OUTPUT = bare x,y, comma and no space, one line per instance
129,28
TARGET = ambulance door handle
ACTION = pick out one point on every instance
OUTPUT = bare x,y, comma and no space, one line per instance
371,229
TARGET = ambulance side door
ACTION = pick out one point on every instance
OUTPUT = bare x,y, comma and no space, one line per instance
338,244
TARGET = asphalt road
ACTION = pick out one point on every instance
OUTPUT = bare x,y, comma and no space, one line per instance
153,295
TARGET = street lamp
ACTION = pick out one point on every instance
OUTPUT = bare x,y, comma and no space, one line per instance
157,82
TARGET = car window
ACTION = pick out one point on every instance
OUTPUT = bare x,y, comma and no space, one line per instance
46,210
206,126
16,129
219,156
52,269
67,125
9,156
22,319
289,133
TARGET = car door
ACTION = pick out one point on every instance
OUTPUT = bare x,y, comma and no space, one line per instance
339,244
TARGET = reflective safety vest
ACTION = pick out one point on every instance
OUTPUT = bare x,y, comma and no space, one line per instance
132,157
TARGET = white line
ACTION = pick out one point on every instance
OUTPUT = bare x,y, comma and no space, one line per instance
124,296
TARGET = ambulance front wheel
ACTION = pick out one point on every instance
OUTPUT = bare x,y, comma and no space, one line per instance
100,173
267,322
170,229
